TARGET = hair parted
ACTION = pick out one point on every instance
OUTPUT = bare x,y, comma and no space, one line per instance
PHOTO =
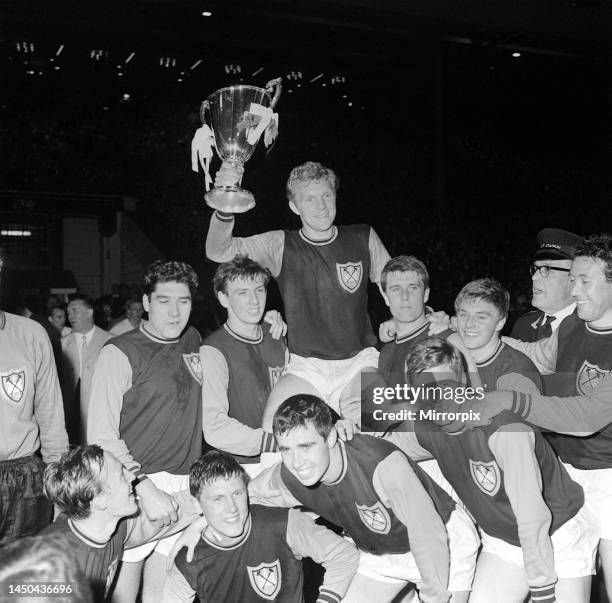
486,289
597,247
404,263
161,271
311,171
240,267
82,297
212,466
431,352
301,410
72,482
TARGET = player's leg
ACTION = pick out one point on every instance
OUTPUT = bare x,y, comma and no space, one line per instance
353,379
498,580
605,554
127,584
573,590
153,578
463,545
364,589
288,385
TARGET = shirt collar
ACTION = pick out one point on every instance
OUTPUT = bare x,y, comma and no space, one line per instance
561,314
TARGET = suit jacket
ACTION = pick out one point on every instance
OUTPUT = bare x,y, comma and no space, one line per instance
526,327
70,374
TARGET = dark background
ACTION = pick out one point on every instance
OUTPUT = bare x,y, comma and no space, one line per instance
453,149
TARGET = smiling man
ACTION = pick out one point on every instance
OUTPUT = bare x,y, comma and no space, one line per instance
550,285
406,527
146,409
579,356
243,362
537,534
93,492
322,271
253,553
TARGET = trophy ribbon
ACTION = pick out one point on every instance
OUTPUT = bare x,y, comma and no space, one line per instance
271,131
266,114
202,150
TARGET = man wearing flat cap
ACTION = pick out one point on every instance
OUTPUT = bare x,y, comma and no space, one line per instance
549,270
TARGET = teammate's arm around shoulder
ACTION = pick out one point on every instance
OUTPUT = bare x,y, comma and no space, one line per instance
543,353
513,446
400,489
338,556
379,256
268,489
176,588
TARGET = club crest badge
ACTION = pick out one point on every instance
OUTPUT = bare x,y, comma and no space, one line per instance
194,364
350,275
589,377
13,384
486,476
275,374
266,579
376,517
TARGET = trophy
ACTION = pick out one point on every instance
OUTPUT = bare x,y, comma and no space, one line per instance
238,116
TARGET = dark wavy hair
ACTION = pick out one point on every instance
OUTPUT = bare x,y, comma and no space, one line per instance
597,247
240,267
212,466
301,410
161,271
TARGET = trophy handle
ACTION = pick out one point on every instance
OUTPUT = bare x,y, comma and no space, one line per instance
276,86
203,107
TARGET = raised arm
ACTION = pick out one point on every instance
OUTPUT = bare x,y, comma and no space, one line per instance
265,248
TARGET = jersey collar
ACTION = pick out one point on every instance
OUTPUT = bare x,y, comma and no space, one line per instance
324,242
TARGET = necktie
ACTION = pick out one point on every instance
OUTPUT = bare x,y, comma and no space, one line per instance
545,330
83,349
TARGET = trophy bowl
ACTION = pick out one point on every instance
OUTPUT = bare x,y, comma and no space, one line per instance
238,116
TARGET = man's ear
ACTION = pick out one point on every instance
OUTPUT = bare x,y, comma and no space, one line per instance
293,208
332,438
196,503
99,502
426,296
223,299
500,324
385,297
145,302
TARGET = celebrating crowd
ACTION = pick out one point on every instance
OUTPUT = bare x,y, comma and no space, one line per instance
211,467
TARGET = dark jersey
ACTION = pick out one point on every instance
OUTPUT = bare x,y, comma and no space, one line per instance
505,361
324,289
584,357
467,462
262,567
254,367
161,416
353,504
97,561
528,327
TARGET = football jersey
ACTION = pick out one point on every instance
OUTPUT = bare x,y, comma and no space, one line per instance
161,416
504,361
97,561
324,287
353,504
261,567
467,462
584,357
254,368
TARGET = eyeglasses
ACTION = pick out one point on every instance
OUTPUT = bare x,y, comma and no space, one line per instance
544,270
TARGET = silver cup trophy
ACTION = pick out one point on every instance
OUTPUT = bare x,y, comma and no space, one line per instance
238,116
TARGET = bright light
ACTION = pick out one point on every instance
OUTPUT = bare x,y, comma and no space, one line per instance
132,54
206,13
16,233
195,64
126,97
59,50
516,55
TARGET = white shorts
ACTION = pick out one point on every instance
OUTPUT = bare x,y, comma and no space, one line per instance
267,459
330,377
168,483
574,546
463,543
597,486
